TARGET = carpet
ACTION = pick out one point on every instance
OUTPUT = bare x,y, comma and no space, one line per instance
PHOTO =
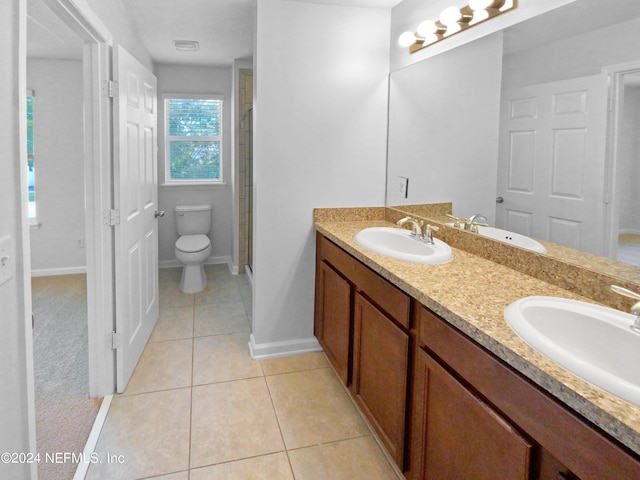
64,411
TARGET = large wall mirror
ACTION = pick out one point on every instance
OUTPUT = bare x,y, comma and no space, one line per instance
536,127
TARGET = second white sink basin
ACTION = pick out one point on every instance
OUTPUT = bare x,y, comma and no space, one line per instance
592,341
398,243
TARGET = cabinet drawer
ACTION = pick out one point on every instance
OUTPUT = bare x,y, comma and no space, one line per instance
393,301
463,436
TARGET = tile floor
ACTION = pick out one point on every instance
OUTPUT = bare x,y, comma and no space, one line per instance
198,407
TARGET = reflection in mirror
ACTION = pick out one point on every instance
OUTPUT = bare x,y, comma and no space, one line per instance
523,115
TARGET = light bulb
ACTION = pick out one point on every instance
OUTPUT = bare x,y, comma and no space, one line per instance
450,16
427,28
430,38
478,16
451,29
407,39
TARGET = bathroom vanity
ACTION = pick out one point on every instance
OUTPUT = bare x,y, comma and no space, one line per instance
450,390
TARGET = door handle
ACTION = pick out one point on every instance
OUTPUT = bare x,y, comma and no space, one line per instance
499,199
159,214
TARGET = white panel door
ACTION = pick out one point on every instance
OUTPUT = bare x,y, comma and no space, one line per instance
136,198
551,169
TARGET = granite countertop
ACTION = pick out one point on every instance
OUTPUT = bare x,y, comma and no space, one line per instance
471,293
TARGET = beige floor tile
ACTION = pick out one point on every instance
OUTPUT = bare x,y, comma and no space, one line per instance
219,318
170,275
354,459
268,467
172,476
163,366
312,408
219,290
172,296
219,270
220,358
231,421
294,363
245,286
174,323
148,432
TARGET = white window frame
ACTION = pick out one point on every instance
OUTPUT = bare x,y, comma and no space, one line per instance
168,181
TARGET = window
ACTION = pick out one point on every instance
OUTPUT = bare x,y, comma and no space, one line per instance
193,130
30,157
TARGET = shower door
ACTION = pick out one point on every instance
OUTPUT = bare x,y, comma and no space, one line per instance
249,188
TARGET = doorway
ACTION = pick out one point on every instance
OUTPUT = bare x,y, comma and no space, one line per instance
245,177
624,164
628,171
64,410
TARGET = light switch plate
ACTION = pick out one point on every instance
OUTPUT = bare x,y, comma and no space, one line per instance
403,187
7,260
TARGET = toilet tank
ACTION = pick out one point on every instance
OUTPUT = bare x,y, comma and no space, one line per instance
193,219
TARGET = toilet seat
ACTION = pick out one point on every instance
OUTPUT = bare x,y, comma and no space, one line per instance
192,243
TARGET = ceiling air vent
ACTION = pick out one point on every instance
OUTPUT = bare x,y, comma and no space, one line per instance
186,45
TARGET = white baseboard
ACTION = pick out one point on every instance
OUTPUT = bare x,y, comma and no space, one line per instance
92,441
224,259
261,351
49,272
628,231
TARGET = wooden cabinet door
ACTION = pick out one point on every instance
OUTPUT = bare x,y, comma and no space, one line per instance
380,366
464,438
333,318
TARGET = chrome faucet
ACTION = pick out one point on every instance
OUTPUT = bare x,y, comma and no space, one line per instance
476,216
472,222
635,308
416,226
417,232
428,234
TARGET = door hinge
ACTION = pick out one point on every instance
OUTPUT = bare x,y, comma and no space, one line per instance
111,217
112,88
116,340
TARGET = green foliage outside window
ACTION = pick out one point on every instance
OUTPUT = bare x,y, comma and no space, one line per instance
194,138
31,173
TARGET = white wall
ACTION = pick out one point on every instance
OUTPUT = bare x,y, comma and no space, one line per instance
196,80
576,56
17,424
114,15
319,141
59,166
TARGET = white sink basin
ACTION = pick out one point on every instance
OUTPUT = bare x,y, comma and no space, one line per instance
511,238
398,243
592,341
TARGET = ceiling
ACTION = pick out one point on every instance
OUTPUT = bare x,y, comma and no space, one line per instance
222,28
48,37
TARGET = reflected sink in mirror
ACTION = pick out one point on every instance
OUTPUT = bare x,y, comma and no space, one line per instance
398,243
594,342
510,238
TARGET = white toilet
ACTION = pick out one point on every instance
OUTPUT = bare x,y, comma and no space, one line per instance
193,247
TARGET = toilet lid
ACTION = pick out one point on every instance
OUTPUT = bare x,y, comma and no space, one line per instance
192,243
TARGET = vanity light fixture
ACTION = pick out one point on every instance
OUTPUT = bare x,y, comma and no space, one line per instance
453,20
